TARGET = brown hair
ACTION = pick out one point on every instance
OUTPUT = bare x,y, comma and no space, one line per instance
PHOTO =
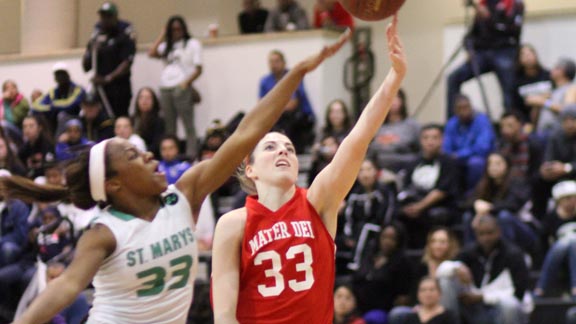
144,121
347,123
487,189
453,245
77,189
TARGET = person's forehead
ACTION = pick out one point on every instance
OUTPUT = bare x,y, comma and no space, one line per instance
276,137
462,103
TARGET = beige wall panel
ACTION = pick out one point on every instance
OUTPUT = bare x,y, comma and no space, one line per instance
10,31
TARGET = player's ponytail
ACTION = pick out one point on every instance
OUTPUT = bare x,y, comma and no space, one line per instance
28,191
246,183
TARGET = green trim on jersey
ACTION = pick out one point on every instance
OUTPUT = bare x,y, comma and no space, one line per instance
121,215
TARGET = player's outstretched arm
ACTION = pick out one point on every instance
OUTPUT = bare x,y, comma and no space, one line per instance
226,251
93,247
207,176
333,182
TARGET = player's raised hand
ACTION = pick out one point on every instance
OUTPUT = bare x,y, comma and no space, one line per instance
395,48
313,61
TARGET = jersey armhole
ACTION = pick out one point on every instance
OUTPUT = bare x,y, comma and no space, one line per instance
173,188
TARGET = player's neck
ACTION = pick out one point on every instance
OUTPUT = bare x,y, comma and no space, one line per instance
143,208
274,197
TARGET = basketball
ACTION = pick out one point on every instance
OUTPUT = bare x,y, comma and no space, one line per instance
371,10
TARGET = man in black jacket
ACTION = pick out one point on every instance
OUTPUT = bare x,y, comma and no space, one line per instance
432,186
497,275
492,44
111,49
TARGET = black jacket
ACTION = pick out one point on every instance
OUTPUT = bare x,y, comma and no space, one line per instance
505,256
501,30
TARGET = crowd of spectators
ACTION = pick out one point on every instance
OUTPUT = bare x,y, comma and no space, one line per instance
447,218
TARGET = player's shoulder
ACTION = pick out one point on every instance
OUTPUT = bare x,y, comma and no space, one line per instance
234,219
231,225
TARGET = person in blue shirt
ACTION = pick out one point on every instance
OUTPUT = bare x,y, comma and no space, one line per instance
469,137
71,137
298,120
170,164
62,102
15,262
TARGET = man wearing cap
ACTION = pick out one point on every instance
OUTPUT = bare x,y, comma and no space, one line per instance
62,102
110,52
96,124
560,225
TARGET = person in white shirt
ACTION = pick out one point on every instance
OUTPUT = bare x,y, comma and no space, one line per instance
182,56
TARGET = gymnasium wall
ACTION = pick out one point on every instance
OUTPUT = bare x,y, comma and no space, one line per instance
429,29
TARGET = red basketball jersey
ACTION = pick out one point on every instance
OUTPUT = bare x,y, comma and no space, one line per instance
287,266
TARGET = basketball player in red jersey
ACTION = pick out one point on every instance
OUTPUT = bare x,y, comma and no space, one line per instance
273,261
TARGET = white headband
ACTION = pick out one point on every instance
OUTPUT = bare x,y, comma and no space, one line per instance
97,171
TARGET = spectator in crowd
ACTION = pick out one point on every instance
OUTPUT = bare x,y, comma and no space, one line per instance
14,106
431,188
429,309
396,143
96,123
380,283
558,274
441,245
78,310
110,52
61,103
564,93
532,79
80,219
330,13
370,205
322,156
216,134
147,122
469,137
559,159
13,229
524,152
492,44
52,236
9,159
497,277
36,93
170,163
337,120
345,306
253,18
441,248
288,15
182,57
297,121
123,128
71,137
38,145
16,264
502,195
